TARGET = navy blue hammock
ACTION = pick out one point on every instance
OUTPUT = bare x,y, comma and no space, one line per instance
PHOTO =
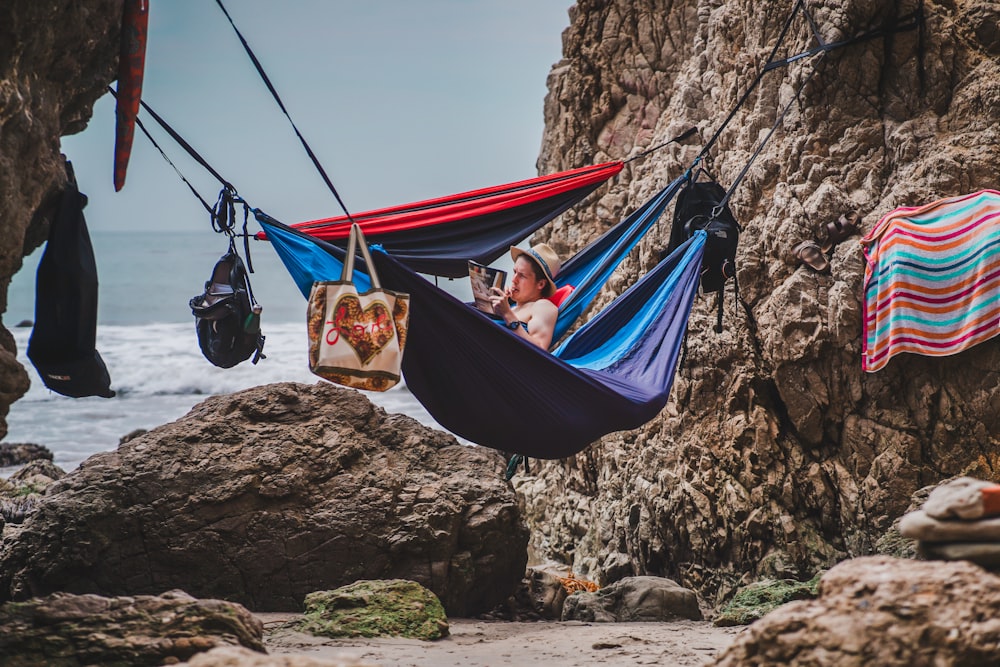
484,383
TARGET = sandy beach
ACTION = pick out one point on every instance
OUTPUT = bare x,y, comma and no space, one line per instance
476,643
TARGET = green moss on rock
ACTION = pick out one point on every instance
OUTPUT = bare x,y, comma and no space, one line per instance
895,545
759,598
379,608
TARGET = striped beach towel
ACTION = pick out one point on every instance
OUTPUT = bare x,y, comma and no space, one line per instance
932,279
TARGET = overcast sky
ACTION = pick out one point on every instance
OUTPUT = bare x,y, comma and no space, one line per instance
400,100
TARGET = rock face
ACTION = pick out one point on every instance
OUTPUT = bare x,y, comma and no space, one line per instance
266,495
64,630
777,456
882,611
56,59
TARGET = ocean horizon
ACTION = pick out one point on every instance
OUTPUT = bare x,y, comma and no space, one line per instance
147,339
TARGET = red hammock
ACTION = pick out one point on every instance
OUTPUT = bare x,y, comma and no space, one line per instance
462,206
439,236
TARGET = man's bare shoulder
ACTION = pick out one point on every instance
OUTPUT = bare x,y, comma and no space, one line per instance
544,310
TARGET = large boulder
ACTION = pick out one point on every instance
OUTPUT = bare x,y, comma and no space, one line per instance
762,597
882,611
64,630
269,494
383,608
634,599
19,453
20,493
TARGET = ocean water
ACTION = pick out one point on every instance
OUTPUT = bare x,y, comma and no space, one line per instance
146,337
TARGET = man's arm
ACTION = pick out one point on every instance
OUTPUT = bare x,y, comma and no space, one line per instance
542,324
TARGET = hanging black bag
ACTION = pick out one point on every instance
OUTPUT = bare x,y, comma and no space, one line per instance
703,205
62,346
700,206
227,317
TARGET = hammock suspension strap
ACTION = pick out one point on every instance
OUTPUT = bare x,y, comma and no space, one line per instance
911,21
281,105
751,87
680,137
763,142
142,127
223,213
908,22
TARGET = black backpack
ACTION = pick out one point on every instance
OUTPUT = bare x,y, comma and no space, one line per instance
701,205
227,318
62,346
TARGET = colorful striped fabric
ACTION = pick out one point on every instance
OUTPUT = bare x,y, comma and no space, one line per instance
932,279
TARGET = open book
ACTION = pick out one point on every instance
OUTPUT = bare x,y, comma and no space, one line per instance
483,278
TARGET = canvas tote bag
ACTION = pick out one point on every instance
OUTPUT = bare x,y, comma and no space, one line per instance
357,339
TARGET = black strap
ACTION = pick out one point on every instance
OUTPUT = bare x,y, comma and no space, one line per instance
908,22
281,105
738,300
157,147
224,221
680,137
752,86
223,214
226,185
717,211
186,146
718,307
246,246
777,122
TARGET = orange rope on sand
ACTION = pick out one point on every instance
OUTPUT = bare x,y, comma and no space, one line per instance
574,585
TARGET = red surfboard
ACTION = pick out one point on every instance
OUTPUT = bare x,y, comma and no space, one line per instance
131,62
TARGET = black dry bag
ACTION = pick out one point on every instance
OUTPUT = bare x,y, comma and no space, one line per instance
62,346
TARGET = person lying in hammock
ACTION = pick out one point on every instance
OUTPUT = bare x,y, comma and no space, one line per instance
532,316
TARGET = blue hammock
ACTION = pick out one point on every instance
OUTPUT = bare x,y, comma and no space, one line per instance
485,384
587,271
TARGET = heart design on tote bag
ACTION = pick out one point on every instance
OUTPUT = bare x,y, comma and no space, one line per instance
366,330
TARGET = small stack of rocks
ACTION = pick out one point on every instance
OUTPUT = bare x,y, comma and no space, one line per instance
959,521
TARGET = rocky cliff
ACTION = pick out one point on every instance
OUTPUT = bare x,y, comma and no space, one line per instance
777,455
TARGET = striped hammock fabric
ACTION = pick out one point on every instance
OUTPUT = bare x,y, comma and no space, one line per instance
932,279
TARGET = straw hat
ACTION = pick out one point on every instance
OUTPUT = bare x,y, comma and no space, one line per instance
546,258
